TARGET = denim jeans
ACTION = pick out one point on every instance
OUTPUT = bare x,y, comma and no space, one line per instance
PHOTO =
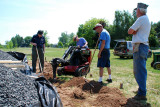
140,71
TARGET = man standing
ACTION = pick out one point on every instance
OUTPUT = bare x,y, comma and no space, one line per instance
140,30
104,52
81,42
38,42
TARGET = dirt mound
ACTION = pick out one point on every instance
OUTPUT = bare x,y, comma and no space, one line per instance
97,96
75,81
110,100
48,71
79,94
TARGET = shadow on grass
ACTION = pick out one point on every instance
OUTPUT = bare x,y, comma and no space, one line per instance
134,103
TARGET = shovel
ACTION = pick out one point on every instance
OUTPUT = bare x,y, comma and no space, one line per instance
91,62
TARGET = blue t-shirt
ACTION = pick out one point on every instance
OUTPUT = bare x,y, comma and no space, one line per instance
38,40
81,42
104,36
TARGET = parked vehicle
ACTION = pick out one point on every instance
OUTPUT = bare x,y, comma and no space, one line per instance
156,60
125,49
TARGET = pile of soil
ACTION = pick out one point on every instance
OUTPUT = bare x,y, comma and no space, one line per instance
48,70
77,92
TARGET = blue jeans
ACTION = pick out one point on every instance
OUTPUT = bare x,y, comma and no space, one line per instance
140,71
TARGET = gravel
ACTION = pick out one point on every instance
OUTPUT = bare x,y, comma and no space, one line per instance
6,56
16,89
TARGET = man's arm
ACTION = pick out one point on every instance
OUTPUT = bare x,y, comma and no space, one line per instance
101,49
131,31
85,44
34,44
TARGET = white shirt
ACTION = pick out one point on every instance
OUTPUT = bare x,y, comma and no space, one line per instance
143,27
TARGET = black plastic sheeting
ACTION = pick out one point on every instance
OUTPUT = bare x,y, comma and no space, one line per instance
17,55
48,94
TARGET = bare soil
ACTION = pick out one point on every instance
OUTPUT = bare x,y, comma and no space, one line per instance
76,92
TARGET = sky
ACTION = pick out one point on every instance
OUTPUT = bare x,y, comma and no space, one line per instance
26,17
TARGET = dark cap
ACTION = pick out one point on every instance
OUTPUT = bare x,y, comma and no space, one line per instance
96,26
40,32
141,5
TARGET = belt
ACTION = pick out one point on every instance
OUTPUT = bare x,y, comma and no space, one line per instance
106,49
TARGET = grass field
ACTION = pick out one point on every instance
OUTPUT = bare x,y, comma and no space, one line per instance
122,72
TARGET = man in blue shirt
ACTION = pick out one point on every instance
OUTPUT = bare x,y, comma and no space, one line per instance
81,42
104,52
38,41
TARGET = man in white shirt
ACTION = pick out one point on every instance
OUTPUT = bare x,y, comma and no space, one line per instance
140,30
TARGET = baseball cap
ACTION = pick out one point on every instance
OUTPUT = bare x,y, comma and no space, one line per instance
141,5
40,32
96,26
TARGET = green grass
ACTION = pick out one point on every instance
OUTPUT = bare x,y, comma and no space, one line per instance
122,72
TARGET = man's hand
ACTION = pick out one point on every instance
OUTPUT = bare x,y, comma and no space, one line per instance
34,44
134,32
131,31
99,55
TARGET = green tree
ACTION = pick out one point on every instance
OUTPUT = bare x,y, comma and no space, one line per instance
13,39
60,44
122,22
157,27
27,41
64,39
17,41
87,31
9,44
1,46
71,42
153,41
46,38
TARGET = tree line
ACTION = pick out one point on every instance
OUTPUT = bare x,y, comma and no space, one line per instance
122,21
18,41
118,30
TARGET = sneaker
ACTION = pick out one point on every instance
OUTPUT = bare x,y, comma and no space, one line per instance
100,82
139,97
109,80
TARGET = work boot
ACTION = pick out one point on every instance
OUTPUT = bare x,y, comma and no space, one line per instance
109,80
100,82
139,97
